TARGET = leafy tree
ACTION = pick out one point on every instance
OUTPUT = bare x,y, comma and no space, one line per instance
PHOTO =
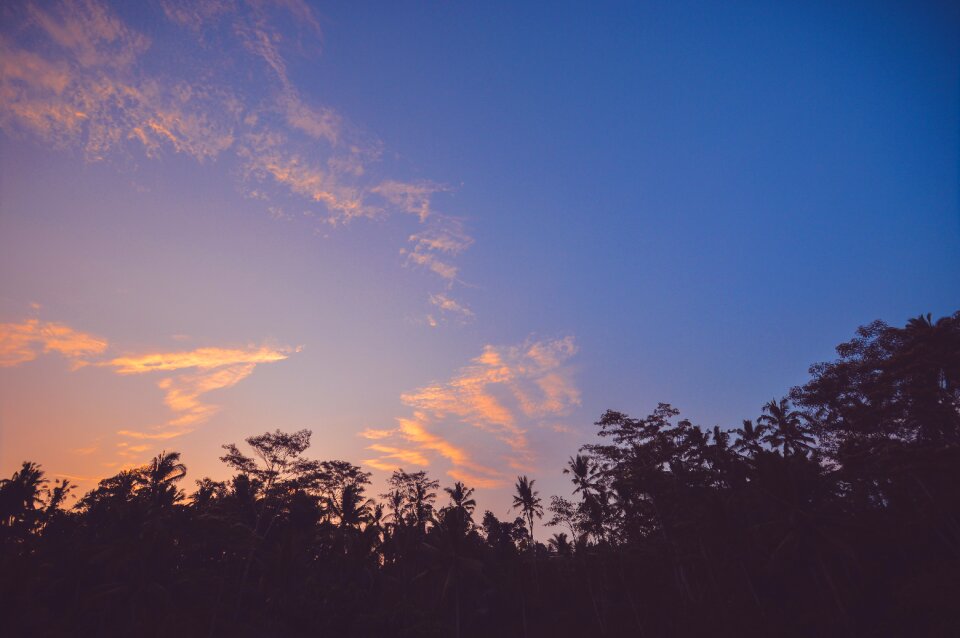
563,512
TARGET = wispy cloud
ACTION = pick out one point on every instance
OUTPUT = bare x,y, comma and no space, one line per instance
446,305
443,237
200,371
74,75
85,89
202,358
89,31
212,369
414,441
411,198
195,15
266,159
502,392
24,341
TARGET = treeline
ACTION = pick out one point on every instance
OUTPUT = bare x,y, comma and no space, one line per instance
836,512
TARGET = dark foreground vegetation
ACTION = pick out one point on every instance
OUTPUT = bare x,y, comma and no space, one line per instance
835,513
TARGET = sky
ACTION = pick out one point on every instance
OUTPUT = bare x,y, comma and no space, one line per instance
449,235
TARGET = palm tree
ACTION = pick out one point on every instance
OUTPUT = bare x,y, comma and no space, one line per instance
583,470
928,367
58,494
412,497
460,512
528,501
161,475
397,503
560,544
750,437
787,429
20,494
422,497
352,510
373,531
460,497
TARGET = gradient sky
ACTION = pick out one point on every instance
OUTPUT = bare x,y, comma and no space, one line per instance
449,235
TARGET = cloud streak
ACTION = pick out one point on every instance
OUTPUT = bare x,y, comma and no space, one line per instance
212,369
24,341
200,372
202,358
502,393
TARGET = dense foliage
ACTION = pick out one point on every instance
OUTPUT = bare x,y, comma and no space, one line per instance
834,513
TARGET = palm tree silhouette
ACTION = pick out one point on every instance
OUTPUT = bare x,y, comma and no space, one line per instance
397,503
528,501
20,494
351,509
160,477
583,470
58,494
787,429
560,544
750,438
928,368
459,515
460,496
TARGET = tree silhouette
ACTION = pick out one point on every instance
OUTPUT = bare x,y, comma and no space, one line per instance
460,497
560,544
21,493
528,501
786,428
582,471
750,438
160,477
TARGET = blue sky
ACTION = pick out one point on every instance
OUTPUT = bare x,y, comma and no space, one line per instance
462,229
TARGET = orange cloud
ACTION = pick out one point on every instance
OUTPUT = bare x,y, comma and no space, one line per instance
192,14
210,369
317,122
377,434
410,198
345,202
217,368
448,305
202,358
84,451
23,342
444,236
502,392
434,264
474,480
91,97
90,34
153,436
401,455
